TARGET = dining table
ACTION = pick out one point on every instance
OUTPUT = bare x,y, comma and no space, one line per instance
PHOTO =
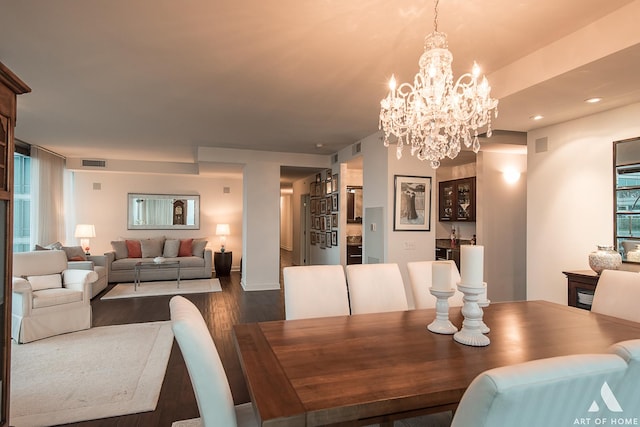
378,367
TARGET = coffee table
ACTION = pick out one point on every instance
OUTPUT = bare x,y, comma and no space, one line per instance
153,265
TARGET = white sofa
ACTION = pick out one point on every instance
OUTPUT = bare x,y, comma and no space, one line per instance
48,298
197,264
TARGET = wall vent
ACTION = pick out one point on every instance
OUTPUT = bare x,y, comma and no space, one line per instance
542,145
94,163
334,158
356,148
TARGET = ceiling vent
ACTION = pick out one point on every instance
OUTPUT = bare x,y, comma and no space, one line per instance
356,148
94,163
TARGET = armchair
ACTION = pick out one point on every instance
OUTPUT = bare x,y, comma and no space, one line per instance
97,263
48,298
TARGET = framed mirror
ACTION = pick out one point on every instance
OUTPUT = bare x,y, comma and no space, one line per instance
163,211
626,210
354,204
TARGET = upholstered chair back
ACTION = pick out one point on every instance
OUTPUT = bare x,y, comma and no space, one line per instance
39,263
208,378
617,294
315,291
540,393
420,275
628,391
375,288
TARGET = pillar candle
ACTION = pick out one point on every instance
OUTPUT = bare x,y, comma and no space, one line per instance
472,265
441,276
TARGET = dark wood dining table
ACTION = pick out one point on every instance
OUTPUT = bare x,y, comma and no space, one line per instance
370,368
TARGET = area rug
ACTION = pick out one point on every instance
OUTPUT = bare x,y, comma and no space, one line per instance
148,289
97,373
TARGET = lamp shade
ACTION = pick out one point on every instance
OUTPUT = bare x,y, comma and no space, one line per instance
222,230
84,231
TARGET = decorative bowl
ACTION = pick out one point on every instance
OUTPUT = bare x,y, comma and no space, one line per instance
159,259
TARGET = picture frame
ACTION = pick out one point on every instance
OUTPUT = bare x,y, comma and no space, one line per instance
323,240
412,203
334,183
313,238
328,238
334,202
334,238
334,220
329,205
323,206
327,222
318,177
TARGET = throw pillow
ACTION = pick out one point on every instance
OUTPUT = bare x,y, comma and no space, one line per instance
134,250
185,247
151,248
56,245
171,248
198,246
120,248
48,281
74,253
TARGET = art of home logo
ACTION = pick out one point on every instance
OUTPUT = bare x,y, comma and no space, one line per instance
610,402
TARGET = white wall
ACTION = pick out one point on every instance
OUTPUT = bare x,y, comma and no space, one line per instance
106,207
570,197
501,224
286,222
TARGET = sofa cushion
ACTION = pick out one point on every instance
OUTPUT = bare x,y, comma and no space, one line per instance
49,297
134,249
120,248
47,281
74,253
197,247
171,248
151,248
186,247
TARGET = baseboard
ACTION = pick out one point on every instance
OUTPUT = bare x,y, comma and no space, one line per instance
260,286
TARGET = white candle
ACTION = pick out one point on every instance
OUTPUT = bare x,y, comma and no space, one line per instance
441,276
472,265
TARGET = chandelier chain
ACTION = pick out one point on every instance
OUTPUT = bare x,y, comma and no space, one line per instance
435,16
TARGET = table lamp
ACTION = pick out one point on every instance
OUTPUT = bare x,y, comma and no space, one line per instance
223,231
84,232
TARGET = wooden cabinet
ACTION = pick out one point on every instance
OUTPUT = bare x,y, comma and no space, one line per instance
581,285
10,86
457,200
222,263
354,254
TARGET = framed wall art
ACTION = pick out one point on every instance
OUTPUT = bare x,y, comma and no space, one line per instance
412,203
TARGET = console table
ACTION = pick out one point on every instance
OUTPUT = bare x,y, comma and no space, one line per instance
583,282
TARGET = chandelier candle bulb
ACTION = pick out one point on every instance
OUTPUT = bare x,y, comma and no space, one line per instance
441,276
472,265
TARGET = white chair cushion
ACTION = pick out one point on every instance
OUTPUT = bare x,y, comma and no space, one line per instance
540,393
617,294
315,291
376,288
51,297
47,281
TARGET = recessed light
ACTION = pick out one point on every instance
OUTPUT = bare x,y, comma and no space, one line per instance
537,117
593,100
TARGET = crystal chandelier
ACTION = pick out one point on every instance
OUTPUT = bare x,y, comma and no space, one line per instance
433,116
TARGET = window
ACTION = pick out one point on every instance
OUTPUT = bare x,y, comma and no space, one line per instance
21,203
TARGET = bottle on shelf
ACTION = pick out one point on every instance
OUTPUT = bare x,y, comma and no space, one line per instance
473,240
453,237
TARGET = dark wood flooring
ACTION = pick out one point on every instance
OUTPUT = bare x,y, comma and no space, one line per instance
221,311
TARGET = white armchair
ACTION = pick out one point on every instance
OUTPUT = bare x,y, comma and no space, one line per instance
48,298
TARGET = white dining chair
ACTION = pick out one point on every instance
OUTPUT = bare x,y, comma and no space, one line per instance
627,392
617,294
375,288
210,383
315,291
540,393
420,276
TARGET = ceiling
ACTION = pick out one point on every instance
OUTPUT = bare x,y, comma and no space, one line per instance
155,79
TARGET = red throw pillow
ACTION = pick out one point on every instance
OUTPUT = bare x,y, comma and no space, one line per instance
134,249
185,247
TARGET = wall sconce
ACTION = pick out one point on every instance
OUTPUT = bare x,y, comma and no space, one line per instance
223,231
511,175
84,232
